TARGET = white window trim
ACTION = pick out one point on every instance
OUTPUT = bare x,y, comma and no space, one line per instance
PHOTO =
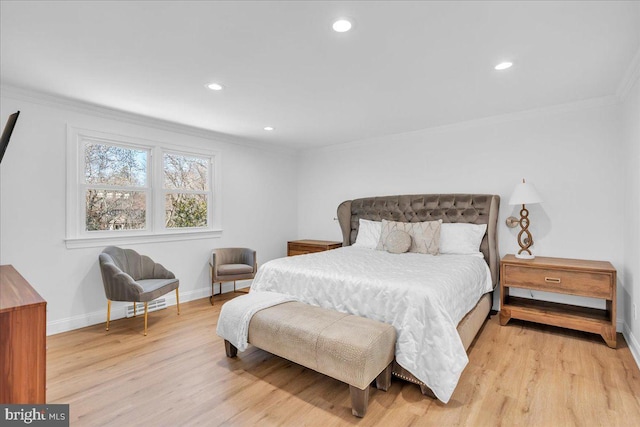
78,237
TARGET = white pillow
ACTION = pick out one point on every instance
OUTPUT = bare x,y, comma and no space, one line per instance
461,238
368,234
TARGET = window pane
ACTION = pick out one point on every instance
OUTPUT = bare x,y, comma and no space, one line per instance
185,210
185,173
115,210
113,165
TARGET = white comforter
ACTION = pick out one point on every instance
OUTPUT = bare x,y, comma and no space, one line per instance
423,296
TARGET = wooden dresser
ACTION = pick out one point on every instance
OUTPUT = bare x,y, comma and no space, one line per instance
300,247
23,338
594,279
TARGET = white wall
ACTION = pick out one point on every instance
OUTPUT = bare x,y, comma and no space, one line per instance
572,154
32,209
631,152
577,156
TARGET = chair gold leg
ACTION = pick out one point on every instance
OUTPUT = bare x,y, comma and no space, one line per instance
178,301
145,318
135,305
108,312
234,286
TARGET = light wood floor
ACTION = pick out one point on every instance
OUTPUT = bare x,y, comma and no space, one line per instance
519,374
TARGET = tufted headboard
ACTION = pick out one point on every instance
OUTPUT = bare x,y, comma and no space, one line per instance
470,208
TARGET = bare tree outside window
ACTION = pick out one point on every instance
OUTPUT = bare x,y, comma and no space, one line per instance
112,175
186,183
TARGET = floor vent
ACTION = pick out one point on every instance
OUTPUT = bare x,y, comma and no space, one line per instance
155,305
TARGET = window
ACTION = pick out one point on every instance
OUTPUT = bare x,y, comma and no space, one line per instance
116,190
122,188
186,190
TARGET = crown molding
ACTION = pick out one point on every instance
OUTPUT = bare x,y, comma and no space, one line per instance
57,101
630,77
469,124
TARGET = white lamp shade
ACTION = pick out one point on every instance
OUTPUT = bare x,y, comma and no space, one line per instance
524,194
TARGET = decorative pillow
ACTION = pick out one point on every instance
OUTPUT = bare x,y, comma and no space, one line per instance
461,239
398,242
368,234
425,236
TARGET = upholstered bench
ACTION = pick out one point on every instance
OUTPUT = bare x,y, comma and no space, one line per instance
349,348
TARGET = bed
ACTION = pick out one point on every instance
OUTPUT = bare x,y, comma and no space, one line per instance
436,323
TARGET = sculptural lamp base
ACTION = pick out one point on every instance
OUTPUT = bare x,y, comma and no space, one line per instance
525,256
525,239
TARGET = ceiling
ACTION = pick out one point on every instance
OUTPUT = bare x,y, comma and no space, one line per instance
404,66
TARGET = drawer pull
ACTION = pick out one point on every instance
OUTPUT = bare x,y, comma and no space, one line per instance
552,279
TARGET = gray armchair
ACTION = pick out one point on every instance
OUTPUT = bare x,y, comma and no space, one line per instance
231,264
129,276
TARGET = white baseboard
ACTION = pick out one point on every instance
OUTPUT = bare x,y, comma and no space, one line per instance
118,309
633,344
82,320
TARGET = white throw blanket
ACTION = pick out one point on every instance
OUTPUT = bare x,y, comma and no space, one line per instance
235,315
423,296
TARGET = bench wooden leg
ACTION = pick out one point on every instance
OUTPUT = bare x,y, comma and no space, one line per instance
426,391
383,381
231,350
359,401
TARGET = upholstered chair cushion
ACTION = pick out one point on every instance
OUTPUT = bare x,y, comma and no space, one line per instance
227,269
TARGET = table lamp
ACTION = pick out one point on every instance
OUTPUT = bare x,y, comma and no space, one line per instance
523,194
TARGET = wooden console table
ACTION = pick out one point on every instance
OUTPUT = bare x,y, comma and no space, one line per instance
595,279
23,340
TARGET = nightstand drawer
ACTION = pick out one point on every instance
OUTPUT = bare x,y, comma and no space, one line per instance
298,249
588,284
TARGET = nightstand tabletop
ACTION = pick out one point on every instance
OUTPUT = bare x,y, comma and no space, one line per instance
316,242
568,263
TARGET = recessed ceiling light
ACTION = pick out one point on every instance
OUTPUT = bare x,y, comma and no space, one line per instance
341,26
503,66
269,128
214,86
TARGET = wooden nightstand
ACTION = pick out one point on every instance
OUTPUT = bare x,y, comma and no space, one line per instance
595,279
299,247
